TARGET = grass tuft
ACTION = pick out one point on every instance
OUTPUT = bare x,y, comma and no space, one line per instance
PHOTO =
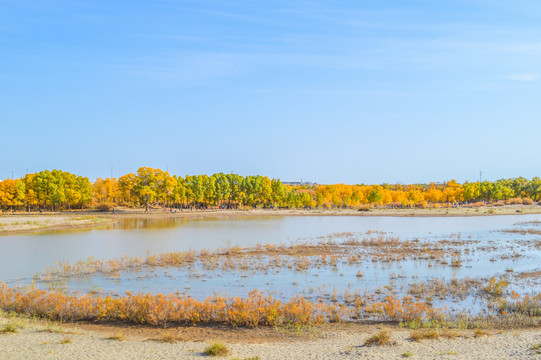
53,328
65,341
216,349
118,337
382,337
449,334
480,333
168,338
423,334
9,329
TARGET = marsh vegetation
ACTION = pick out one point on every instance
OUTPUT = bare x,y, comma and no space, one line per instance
459,280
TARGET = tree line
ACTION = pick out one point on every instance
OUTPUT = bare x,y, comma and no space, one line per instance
60,190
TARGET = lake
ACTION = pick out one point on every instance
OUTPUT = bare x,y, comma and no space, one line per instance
478,241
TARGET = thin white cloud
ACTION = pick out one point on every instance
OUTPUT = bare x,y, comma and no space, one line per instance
521,77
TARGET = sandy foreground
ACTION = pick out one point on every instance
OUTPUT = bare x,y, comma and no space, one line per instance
23,222
41,340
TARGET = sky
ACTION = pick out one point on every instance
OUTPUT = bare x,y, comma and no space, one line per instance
356,91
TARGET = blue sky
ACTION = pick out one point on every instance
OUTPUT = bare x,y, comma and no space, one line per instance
329,91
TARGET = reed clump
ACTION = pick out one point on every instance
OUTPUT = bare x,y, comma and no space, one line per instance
529,305
327,252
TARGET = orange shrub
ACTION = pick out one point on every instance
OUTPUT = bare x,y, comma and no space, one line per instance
160,310
402,310
255,310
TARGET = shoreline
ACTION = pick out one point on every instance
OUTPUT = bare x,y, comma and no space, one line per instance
21,223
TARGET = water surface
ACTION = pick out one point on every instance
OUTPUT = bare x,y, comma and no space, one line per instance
22,256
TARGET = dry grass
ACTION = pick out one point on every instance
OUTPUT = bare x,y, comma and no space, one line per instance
480,333
55,329
119,336
423,334
168,338
327,252
528,306
450,334
10,329
447,353
216,349
381,338
432,334
65,341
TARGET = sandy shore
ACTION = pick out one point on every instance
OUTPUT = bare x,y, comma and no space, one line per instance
28,223
41,340
23,222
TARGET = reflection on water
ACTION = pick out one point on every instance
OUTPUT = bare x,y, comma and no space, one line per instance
146,223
